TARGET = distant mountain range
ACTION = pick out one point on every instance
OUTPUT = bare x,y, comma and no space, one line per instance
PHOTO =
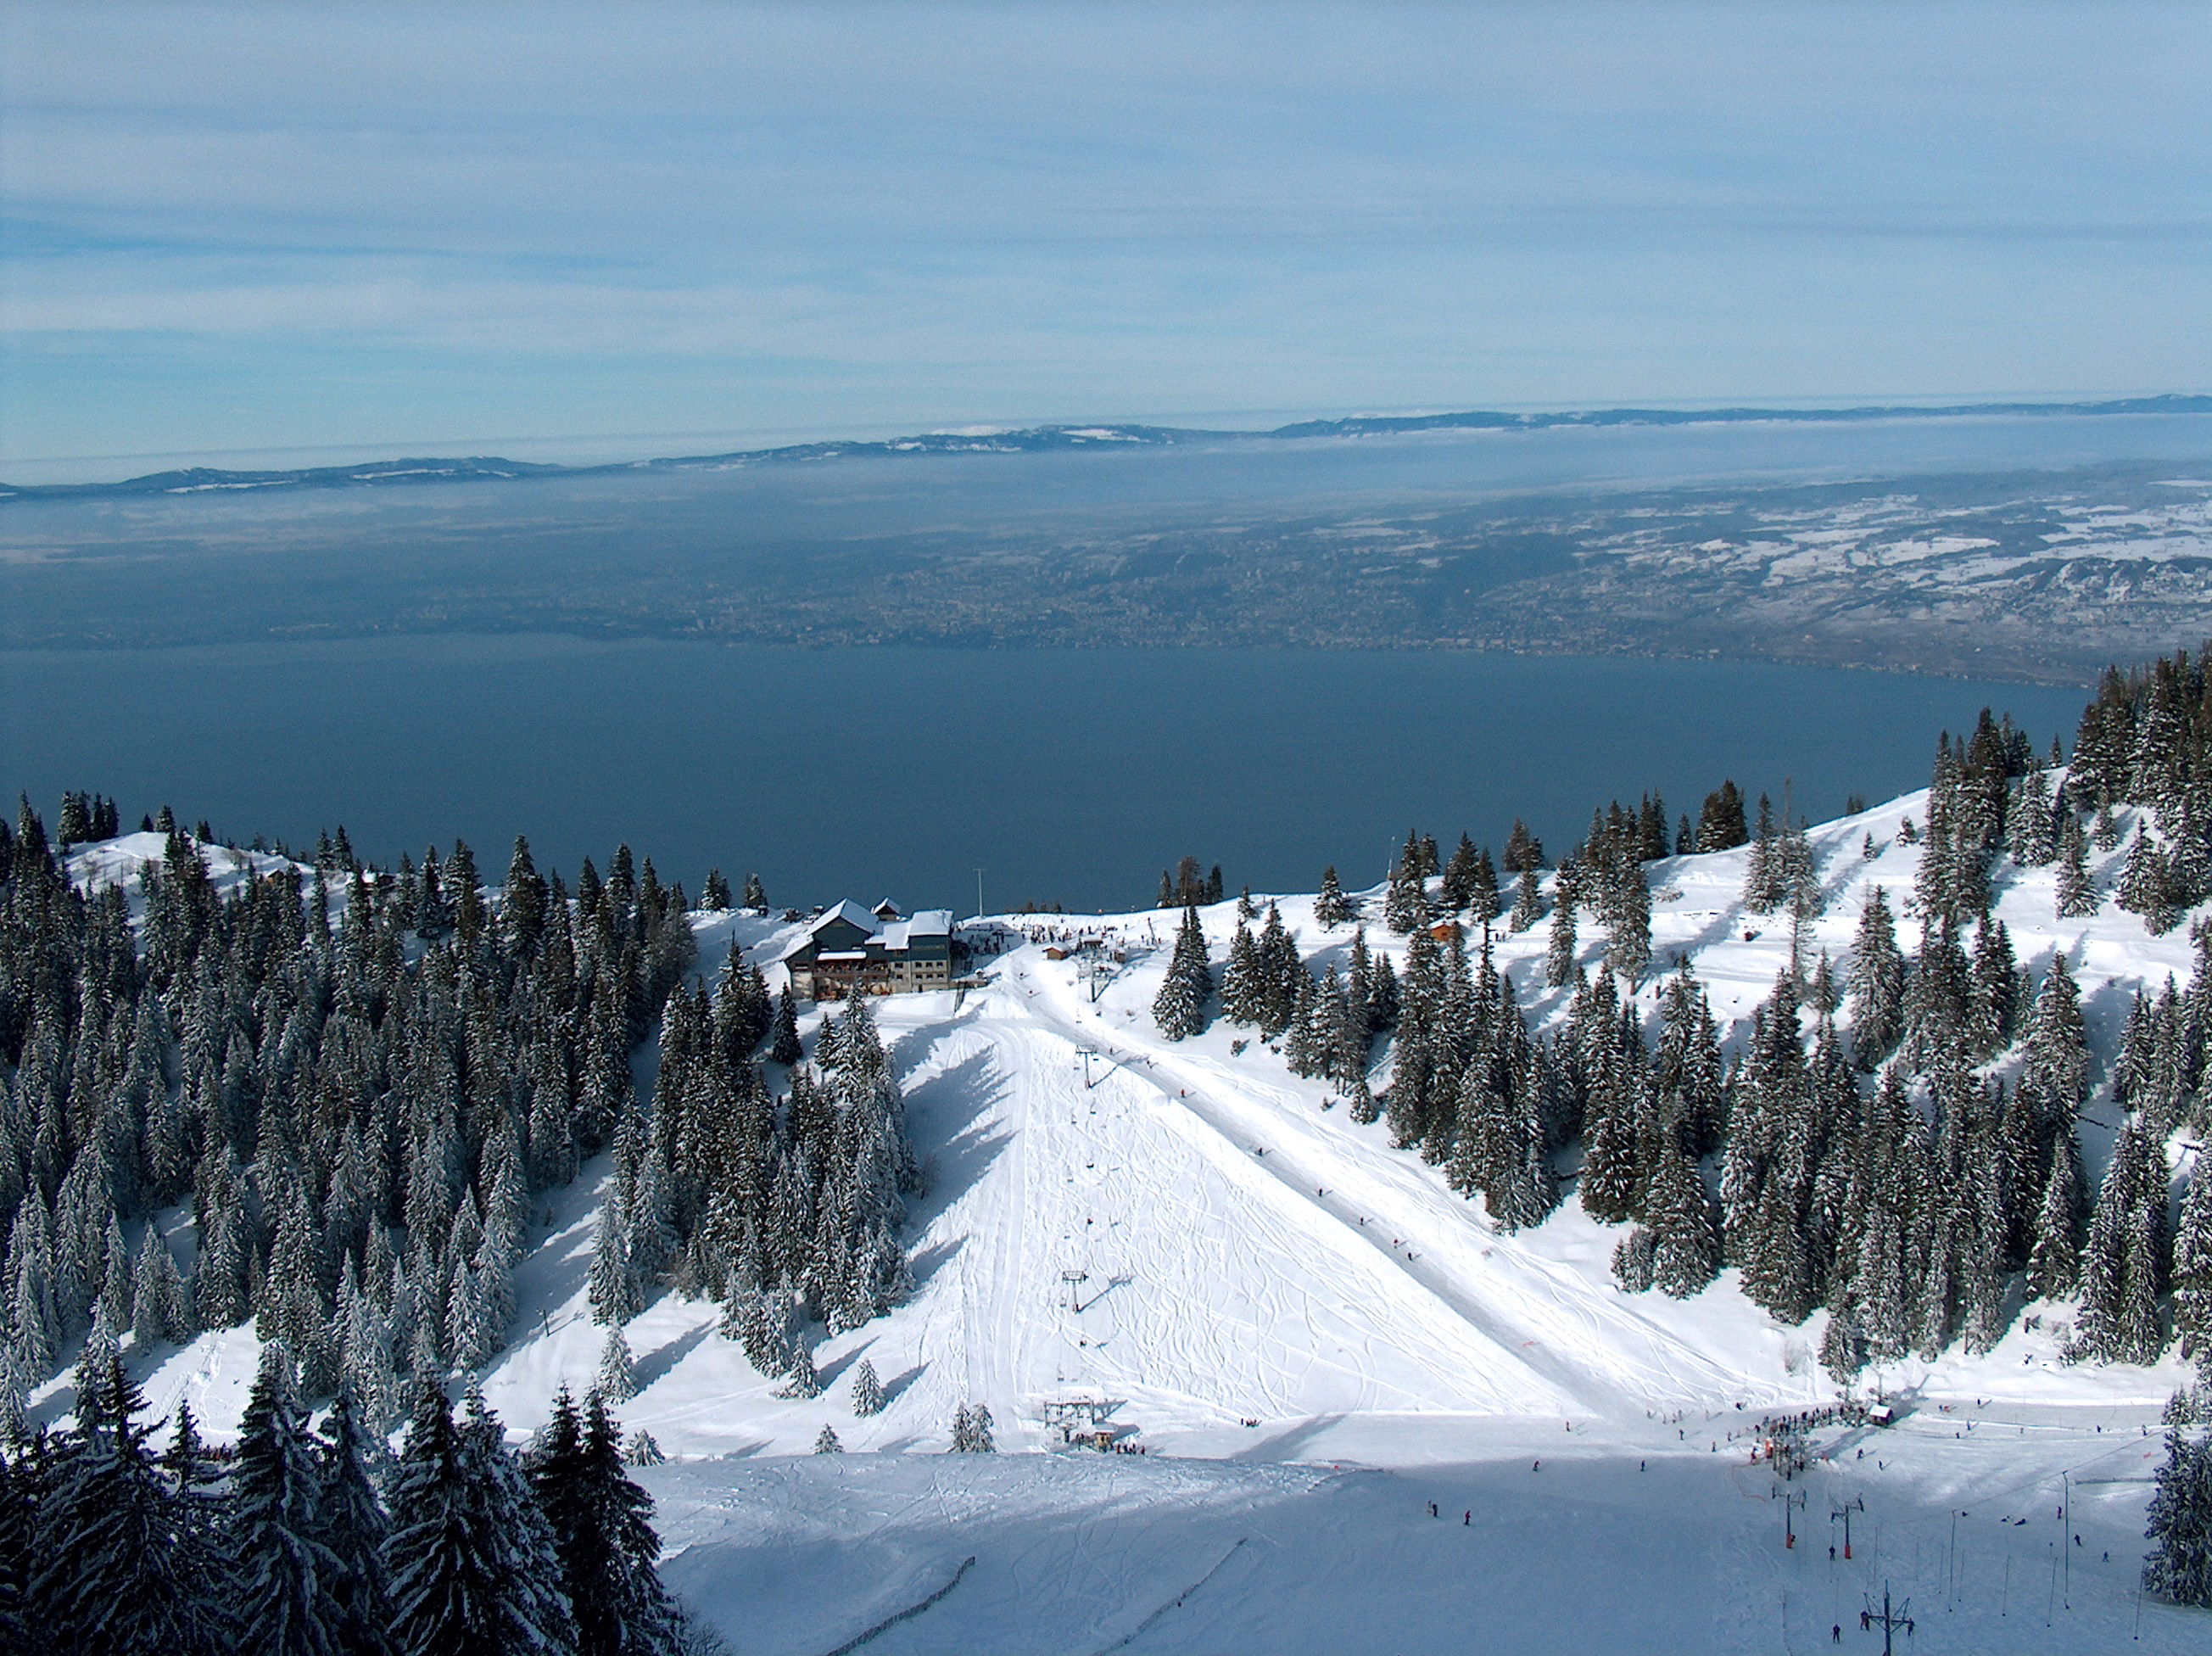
1044,439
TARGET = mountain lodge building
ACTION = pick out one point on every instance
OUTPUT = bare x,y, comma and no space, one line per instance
877,951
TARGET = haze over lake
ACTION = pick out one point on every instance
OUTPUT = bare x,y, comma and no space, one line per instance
1069,775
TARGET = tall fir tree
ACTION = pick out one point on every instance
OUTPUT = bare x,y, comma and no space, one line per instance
2123,1259
867,1391
470,1557
601,1525
1559,954
119,1562
1331,908
2075,895
1179,1008
2192,1267
2179,1568
288,1576
352,1527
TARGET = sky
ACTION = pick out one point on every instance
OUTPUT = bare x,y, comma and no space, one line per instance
586,230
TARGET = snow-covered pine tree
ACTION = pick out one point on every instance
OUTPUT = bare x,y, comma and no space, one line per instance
757,1320
2032,824
197,1481
1406,900
1304,1040
352,1525
1241,993
1616,1089
2145,887
617,1381
1769,1166
2076,897
1721,821
612,1285
2179,1568
286,1573
600,1524
1280,976
470,1556
1993,991
1762,883
2124,1260
1628,922
1179,1008
14,1397
784,1046
1331,908
803,1381
1822,993
1560,953
1523,850
1482,904
867,1390
2054,1261
825,1441
1528,903
1843,1349
117,1563
1635,1260
1688,1073
2104,829
2192,1267
1458,885
2056,1077
159,1311
1684,1223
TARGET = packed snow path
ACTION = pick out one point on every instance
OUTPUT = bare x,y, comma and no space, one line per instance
1621,1541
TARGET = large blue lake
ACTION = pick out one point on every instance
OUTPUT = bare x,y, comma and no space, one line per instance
1068,776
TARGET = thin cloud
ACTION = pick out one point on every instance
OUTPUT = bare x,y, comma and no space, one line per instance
1234,206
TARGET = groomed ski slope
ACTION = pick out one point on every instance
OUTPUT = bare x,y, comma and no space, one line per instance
1258,1281
1240,1252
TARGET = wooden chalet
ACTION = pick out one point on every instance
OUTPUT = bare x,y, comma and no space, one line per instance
848,949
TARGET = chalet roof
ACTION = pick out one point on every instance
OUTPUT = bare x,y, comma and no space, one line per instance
848,912
892,936
925,923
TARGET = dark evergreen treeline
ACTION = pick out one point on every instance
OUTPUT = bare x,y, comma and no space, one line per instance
325,1103
307,1543
1900,1148
1189,886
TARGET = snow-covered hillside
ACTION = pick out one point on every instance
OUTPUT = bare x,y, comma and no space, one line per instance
1240,1250
1189,1231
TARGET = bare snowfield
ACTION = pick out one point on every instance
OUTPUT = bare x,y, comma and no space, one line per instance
1312,1337
1625,1540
